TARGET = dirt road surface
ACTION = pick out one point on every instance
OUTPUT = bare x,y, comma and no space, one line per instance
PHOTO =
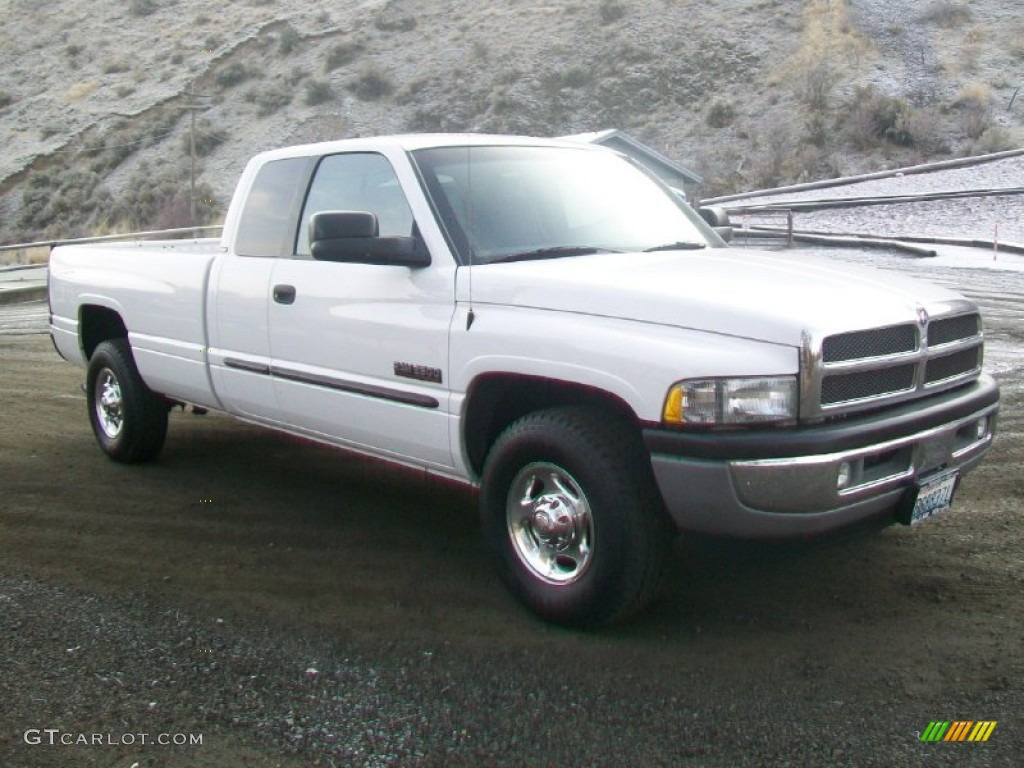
293,605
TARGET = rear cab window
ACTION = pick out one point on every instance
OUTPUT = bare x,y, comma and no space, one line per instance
267,227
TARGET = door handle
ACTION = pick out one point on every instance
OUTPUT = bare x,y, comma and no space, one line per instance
284,294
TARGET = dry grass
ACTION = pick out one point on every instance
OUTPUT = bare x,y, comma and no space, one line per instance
828,35
974,96
82,90
25,256
947,13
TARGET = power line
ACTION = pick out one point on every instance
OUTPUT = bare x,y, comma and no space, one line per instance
111,146
210,135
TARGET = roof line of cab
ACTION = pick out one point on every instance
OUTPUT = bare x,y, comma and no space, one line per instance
413,141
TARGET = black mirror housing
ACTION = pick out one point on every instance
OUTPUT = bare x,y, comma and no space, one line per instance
352,237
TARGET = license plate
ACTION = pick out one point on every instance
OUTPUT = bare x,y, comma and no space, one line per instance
934,496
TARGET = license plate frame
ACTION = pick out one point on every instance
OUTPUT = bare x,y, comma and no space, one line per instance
934,496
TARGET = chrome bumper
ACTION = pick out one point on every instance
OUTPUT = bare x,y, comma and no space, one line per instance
809,493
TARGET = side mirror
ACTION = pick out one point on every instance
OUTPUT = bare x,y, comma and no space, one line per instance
352,237
718,219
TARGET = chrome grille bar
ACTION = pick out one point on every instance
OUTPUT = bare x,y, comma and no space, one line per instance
856,370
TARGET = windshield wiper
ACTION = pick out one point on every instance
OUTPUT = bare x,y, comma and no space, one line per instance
681,245
552,252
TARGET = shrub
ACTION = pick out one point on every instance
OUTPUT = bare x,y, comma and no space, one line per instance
947,13
974,97
778,145
208,138
172,212
141,7
270,99
816,86
371,84
342,54
818,130
973,104
611,11
721,114
480,51
5,99
231,75
974,124
994,139
317,92
577,77
875,116
288,40
114,67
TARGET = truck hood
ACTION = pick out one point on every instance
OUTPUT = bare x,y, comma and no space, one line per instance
746,293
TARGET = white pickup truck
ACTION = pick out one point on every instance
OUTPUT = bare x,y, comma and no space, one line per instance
550,322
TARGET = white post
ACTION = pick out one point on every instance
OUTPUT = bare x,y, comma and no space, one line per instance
995,244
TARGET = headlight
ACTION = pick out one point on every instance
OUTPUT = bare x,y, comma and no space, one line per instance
713,402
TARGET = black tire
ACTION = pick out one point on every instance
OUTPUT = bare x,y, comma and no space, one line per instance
535,477
127,418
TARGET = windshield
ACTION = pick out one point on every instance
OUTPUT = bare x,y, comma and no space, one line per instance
503,203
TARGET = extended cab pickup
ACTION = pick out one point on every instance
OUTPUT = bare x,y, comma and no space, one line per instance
550,322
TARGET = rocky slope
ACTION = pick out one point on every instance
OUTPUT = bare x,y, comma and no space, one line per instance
95,98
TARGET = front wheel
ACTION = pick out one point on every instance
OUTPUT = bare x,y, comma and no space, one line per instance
128,419
569,507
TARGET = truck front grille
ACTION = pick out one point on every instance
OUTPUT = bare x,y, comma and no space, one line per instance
874,343
868,368
845,387
951,329
951,366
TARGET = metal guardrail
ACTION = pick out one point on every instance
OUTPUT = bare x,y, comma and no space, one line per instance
742,228
841,181
108,238
824,204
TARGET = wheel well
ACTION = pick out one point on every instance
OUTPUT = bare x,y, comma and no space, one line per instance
98,324
495,401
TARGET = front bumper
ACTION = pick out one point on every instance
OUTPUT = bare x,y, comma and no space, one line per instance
785,483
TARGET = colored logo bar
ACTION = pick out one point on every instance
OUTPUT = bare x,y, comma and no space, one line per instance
958,730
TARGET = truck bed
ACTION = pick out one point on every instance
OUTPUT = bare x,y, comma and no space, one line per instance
158,289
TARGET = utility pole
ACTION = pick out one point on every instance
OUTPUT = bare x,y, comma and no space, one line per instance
192,167
192,107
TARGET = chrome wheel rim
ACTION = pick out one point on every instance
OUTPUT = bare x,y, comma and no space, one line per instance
550,523
109,404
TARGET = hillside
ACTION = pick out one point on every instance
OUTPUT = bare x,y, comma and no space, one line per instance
95,118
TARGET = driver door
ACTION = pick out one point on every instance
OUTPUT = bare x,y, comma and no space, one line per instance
359,352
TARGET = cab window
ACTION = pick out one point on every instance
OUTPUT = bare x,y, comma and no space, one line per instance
356,182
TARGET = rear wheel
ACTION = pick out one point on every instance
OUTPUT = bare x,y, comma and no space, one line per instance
569,506
128,419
